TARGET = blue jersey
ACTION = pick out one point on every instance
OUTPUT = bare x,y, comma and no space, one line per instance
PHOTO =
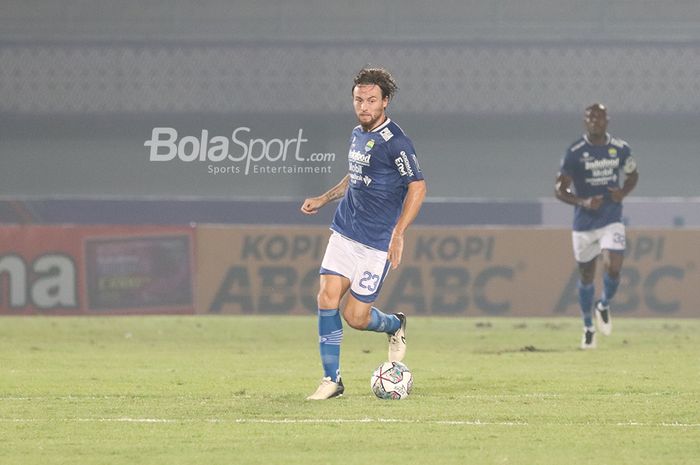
593,169
382,164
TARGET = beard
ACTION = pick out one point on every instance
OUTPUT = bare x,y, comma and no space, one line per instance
369,122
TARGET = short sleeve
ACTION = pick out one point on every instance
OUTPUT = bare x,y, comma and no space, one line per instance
404,158
566,165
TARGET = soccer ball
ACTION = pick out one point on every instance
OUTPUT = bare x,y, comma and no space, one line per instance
392,380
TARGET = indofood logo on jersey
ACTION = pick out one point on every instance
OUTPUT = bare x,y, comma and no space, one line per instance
249,155
602,164
355,156
603,171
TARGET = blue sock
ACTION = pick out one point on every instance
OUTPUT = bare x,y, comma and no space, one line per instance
382,323
609,288
585,300
330,335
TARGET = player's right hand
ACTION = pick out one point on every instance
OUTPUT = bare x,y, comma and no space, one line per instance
593,203
311,206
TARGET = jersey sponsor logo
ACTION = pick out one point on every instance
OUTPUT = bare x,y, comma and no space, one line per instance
400,166
355,156
356,178
602,179
603,171
586,154
602,164
355,168
403,165
386,134
630,165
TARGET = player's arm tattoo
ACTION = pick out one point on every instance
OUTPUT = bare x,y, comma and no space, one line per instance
338,191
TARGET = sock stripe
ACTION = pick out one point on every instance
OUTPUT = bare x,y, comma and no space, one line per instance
330,331
334,338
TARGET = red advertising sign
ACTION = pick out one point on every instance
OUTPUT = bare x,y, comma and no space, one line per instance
95,270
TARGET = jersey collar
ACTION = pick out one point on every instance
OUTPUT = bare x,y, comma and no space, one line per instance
382,126
607,139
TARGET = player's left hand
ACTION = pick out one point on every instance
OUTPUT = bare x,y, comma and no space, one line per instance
616,194
395,250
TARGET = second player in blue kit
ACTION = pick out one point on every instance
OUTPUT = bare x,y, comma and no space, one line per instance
589,178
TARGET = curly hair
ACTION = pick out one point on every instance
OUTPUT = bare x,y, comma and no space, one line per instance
596,106
379,77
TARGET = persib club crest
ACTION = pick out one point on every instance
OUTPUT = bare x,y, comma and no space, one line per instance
370,144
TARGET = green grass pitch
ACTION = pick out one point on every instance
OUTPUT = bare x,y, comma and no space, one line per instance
230,390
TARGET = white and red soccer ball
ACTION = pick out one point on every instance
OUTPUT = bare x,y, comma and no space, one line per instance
392,380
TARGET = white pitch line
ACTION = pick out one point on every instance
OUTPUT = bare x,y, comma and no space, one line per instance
284,421
672,424
127,420
377,420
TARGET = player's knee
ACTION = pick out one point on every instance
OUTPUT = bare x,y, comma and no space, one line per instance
327,299
587,277
613,273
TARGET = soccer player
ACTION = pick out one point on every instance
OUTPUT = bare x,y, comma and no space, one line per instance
380,197
589,179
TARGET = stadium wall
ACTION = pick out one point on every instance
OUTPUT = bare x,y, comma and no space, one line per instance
488,120
548,212
225,269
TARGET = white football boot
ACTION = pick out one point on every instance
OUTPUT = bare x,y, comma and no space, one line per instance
588,339
397,341
328,389
602,316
